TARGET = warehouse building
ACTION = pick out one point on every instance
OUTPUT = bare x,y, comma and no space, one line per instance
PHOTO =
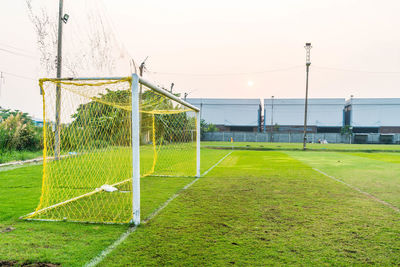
325,115
241,115
368,116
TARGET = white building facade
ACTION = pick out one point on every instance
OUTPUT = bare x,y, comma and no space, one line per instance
287,115
373,115
230,114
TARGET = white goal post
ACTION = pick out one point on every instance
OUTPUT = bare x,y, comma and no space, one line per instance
136,82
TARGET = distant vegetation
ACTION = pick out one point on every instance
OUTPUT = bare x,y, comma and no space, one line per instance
206,128
20,138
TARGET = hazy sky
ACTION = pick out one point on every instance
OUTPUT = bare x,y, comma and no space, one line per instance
203,43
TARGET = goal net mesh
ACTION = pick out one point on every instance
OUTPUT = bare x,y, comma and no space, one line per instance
90,178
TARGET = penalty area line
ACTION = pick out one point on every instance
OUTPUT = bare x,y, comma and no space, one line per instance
99,258
360,191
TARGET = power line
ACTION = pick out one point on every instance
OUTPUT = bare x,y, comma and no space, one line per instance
17,53
226,74
360,71
15,48
18,76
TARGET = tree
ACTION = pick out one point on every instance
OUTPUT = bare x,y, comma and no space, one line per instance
17,132
107,121
206,128
347,131
90,48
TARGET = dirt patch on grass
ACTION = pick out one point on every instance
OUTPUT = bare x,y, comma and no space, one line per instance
6,230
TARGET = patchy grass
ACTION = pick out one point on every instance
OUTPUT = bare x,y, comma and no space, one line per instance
386,157
299,146
265,208
68,244
374,173
255,208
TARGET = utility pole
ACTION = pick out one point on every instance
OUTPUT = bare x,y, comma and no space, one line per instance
272,119
308,63
58,89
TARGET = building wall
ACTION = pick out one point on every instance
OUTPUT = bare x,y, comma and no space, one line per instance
229,112
290,112
374,112
369,138
389,130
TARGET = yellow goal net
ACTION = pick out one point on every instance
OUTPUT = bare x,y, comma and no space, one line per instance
94,143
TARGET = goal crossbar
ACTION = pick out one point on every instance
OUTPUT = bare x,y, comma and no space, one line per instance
135,81
141,81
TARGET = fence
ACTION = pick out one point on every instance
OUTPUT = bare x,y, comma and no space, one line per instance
369,138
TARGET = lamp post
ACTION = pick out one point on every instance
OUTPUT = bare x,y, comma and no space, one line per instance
308,63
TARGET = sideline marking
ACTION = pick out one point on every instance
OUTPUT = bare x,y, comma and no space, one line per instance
360,191
99,258
21,162
215,165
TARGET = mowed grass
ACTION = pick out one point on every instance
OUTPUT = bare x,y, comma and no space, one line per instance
299,146
69,244
375,173
80,174
254,208
265,208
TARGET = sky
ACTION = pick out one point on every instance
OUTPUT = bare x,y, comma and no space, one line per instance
216,49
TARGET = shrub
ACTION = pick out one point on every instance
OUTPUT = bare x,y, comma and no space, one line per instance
17,132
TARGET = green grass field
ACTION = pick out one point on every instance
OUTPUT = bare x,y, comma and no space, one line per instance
8,156
82,173
299,146
267,207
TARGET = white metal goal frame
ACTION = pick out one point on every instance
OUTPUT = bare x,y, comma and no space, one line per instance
136,82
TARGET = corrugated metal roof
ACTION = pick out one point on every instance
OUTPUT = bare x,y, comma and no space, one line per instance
290,111
224,101
373,101
300,101
228,111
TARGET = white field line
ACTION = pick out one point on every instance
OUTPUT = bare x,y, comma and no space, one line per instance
360,191
116,184
21,162
96,260
99,258
24,163
207,171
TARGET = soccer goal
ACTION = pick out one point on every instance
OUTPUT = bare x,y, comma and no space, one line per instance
101,136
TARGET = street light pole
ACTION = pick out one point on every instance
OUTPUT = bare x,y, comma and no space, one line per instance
308,63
